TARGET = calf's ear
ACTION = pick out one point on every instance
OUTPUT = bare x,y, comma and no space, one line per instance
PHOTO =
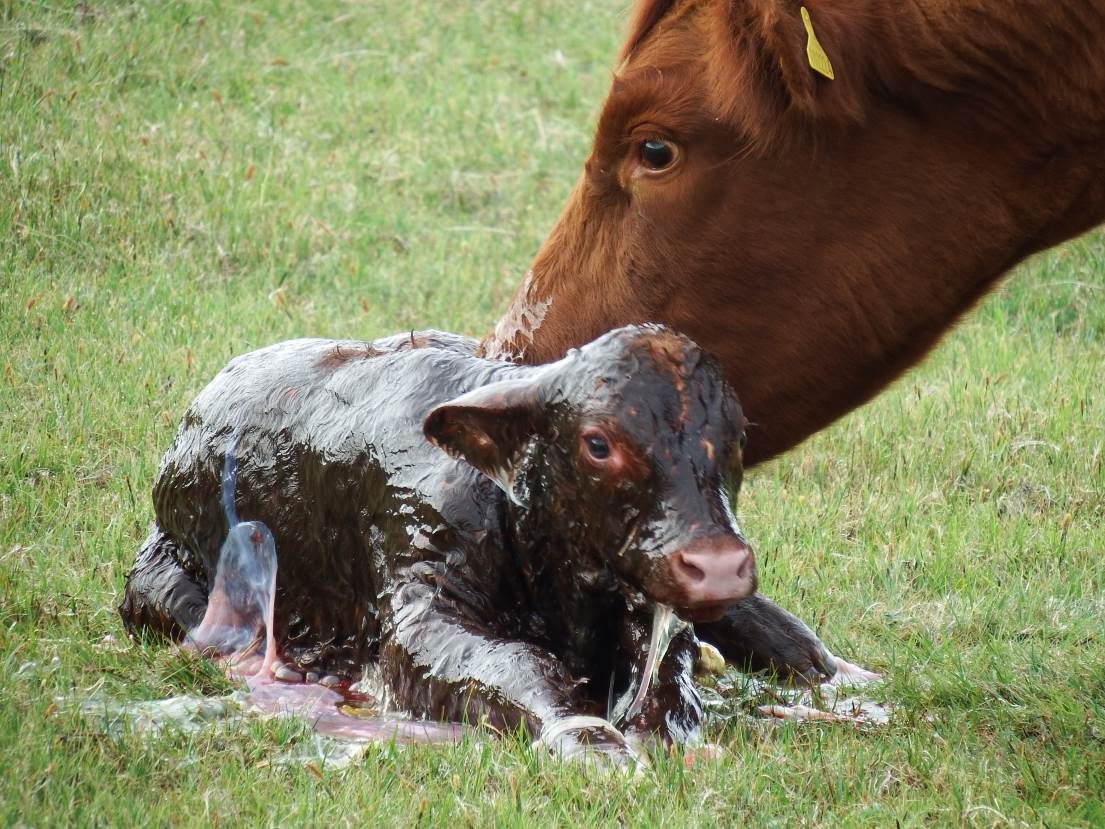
489,427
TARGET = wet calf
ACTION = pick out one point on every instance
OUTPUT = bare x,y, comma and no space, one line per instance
511,578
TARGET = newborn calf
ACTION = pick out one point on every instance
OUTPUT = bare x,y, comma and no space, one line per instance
511,577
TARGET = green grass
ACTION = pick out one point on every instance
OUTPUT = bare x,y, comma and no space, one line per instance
183,182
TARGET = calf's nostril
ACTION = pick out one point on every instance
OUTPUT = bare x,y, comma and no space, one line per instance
713,571
744,569
688,570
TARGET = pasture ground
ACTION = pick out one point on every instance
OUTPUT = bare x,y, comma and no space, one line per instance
180,182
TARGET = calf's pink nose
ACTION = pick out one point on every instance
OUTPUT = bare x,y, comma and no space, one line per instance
714,570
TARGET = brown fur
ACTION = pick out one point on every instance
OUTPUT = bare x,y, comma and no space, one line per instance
338,356
819,236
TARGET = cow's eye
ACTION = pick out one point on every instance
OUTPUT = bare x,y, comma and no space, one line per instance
657,154
743,440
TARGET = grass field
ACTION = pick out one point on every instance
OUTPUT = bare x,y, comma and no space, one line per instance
183,182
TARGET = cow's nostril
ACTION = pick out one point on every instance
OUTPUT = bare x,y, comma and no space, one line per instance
688,570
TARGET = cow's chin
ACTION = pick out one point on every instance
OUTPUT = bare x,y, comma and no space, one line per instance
703,612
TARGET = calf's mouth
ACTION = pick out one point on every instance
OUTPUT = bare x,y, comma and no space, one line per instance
703,613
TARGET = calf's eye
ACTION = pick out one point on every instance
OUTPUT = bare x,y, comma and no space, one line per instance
597,446
657,154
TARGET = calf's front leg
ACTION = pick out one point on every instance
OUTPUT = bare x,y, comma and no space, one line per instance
757,635
442,662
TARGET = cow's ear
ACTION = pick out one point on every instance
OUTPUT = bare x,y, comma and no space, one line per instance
777,60
490,427
784,41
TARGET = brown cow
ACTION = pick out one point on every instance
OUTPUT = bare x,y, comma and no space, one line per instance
819,234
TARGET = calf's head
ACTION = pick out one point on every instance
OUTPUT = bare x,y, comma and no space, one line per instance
623,454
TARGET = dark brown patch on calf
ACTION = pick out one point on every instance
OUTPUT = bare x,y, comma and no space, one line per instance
673,355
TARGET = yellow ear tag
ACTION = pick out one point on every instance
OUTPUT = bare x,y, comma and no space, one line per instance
819,61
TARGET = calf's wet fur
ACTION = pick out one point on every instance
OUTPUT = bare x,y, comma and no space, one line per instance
494,536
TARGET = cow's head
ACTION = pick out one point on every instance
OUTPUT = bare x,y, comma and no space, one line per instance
737,193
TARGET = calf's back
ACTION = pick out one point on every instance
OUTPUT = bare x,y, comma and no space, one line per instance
349,507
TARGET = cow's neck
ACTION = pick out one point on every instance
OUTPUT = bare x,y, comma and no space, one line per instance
872,261
1036,66
894,231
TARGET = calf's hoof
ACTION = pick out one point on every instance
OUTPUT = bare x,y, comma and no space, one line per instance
708,661
284,673
849,674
